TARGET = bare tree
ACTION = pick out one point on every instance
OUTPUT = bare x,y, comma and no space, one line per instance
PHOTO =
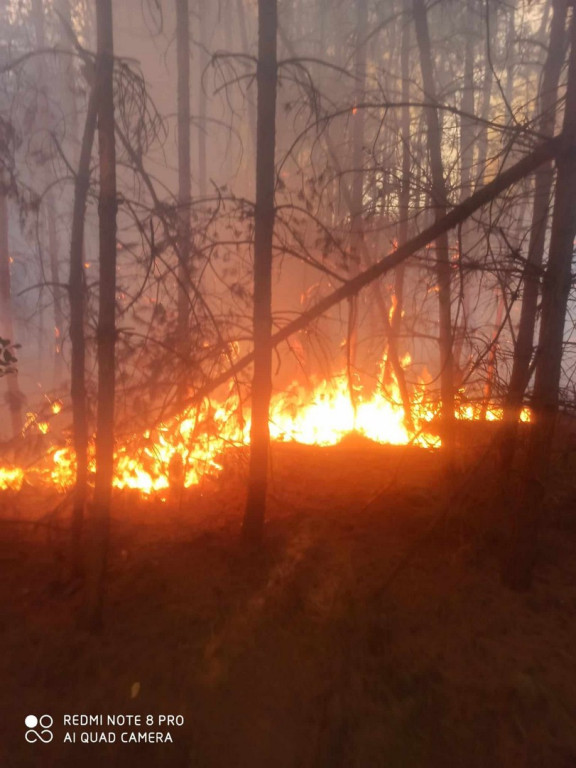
13,394
529,509
440,203
254,514
543,181
184,232
77,298
106,334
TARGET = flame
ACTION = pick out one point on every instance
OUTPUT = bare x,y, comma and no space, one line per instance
183,450
11,478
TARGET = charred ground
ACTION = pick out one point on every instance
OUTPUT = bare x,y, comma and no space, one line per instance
371,630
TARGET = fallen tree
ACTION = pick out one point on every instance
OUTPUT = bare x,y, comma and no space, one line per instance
543,153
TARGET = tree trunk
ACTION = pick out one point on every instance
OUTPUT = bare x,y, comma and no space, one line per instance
253,525
487,82
77,297
203,9
404,196
13,395
393,359
66,75
440,203
51,208
483,196
246,50
528,512
357,243
466,162
542,188
184,231
56,290
106,332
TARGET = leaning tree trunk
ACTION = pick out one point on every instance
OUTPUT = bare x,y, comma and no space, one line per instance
528,513
106,332
184,232
484,196
542,188
440,202
13,395
253,525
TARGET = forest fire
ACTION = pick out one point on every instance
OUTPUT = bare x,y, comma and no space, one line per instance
189,447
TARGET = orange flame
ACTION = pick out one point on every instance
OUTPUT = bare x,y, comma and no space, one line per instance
198,438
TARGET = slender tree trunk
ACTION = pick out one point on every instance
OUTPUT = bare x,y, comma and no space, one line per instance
466,163
357,243
253,526
203,9
440,202
184,231
493,356
77,297
67,75
246,50
393,360
487,82
404,197
542,189
56,290
528,513
51,208
106,333
13,395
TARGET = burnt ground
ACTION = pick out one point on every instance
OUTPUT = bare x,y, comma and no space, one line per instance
370,631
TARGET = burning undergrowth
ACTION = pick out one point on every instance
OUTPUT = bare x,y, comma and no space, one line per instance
181,450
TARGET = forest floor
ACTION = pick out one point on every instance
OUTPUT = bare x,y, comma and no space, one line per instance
371,630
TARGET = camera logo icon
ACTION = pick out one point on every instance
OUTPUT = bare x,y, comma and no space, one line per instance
39,729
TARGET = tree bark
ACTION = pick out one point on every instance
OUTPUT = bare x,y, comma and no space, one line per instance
487,82
106,332
528,512
357,243
13,396
440,203
253,525
56,290
184,230
77,298
203,9
532,273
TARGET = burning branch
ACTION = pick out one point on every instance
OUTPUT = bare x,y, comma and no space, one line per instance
543,153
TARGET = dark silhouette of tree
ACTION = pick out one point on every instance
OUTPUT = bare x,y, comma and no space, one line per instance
543,181
263,236
440,203
184,230
529,509
106,333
